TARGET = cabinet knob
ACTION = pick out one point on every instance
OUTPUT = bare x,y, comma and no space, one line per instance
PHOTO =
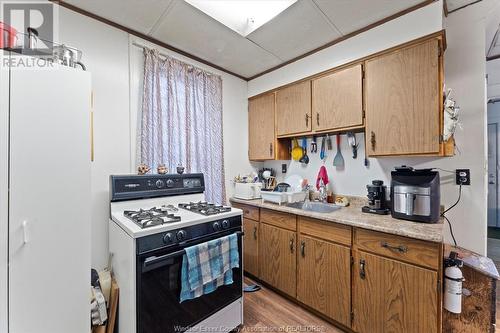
372,140
307,120
317,118
254,232
362,272
271,149
303,249
291,245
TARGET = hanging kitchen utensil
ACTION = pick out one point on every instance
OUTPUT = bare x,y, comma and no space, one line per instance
304,159
303,151
338,161
314,145
329,142
297,151
351,138
322,154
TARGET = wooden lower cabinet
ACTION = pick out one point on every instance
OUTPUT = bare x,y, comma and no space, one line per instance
391,296
381,290
251,247
324,278
277,258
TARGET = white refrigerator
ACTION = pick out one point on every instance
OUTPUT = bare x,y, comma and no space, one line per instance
45,152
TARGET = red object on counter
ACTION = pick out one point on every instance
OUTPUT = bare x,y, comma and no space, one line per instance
322,175
8,36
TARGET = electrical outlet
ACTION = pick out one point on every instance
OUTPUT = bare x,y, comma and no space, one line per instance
283,168
462,176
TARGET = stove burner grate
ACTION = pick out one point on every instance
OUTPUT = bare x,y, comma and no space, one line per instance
205,208
155,216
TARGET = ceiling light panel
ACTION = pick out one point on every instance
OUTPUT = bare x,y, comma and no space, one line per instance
242,16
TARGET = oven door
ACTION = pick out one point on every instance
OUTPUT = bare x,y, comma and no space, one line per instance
159,287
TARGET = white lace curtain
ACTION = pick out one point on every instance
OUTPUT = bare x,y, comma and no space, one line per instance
181,122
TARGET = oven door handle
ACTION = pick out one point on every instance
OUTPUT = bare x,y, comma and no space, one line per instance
154,259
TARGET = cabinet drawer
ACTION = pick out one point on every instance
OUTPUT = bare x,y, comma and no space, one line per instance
249,212
325,230
413,251
279,219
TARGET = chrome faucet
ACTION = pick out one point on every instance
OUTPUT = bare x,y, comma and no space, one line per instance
307,190
322,191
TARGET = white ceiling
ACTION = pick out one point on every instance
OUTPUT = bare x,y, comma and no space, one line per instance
452,5
305,26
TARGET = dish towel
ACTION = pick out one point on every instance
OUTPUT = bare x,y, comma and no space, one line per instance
322,175
207,266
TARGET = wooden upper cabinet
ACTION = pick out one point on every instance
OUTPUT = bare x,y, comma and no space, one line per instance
293,109
337,99
391,296
261,136
277,258
324,278
403,101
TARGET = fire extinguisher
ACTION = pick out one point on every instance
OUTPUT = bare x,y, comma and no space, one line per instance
453,279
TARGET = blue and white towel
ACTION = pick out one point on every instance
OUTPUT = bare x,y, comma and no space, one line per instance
207,266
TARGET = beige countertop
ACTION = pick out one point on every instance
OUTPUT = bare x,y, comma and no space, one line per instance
353,216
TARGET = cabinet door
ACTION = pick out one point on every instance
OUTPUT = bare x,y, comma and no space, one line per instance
390,296
403,101
324,278
251,247
49,203
293,109
277,258
261,137
337,99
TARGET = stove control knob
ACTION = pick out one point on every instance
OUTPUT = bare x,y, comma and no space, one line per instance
217,226
225,224
181,235
160,183
170,183
168,238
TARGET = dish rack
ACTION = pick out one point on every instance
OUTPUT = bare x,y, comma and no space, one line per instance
282,197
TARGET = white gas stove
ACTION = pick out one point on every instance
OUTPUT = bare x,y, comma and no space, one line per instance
153,218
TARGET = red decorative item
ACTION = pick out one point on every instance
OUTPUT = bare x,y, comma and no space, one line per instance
8,36
322,175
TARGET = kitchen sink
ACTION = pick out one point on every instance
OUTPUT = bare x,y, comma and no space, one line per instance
311,206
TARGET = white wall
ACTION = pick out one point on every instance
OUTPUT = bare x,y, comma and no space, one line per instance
116,71
465,72
234,104
105,53
493,66
493,70
115,77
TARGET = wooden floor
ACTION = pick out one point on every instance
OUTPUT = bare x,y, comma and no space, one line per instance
266,311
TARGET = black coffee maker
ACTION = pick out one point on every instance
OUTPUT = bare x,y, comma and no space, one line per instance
377,203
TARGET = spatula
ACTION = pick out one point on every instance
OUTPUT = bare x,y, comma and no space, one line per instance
338,161
328,142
